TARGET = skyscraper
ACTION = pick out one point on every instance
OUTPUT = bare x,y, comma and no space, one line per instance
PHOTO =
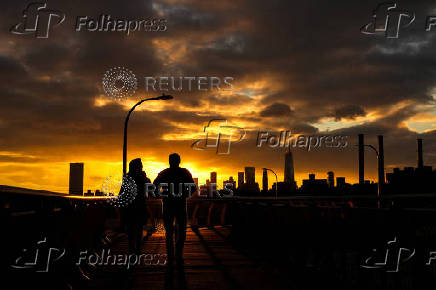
229,184
250,175
289,167
265,181
213,177
240,179
331,179
76,178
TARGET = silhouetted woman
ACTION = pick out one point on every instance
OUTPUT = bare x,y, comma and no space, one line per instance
136,211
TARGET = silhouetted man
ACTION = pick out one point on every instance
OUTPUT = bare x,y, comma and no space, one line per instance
176,184
136,212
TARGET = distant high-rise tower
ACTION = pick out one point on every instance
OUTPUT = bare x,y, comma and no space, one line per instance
76,178
289,167
250,175
240,179
196,181
213,177
331,179
265,180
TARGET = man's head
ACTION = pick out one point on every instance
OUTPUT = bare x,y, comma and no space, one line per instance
174,160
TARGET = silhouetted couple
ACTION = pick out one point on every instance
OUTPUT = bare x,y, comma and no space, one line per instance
170,180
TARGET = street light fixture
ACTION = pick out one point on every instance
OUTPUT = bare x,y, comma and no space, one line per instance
126,122
378,161
277,182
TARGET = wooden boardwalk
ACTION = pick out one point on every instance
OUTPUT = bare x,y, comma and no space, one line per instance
210,263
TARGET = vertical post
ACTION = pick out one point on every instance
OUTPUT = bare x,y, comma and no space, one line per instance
381,166
277,183
126,122
361,160
420,158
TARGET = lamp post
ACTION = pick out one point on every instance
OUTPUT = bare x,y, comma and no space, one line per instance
277,182
126,122
380,166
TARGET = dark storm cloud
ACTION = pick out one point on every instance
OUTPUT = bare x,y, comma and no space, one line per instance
322,58
48,57
232,100
10,69
349,112
276,110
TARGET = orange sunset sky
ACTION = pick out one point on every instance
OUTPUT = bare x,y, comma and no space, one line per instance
295,66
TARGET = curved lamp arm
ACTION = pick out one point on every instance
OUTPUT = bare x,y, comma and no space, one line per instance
277,182
126,122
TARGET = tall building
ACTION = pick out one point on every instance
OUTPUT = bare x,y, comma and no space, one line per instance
340,181
289,167
213,177
76,178
196,181
206,189
314,186
250,175
331,179
250,187
213,182
240,179
265,181
226,183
